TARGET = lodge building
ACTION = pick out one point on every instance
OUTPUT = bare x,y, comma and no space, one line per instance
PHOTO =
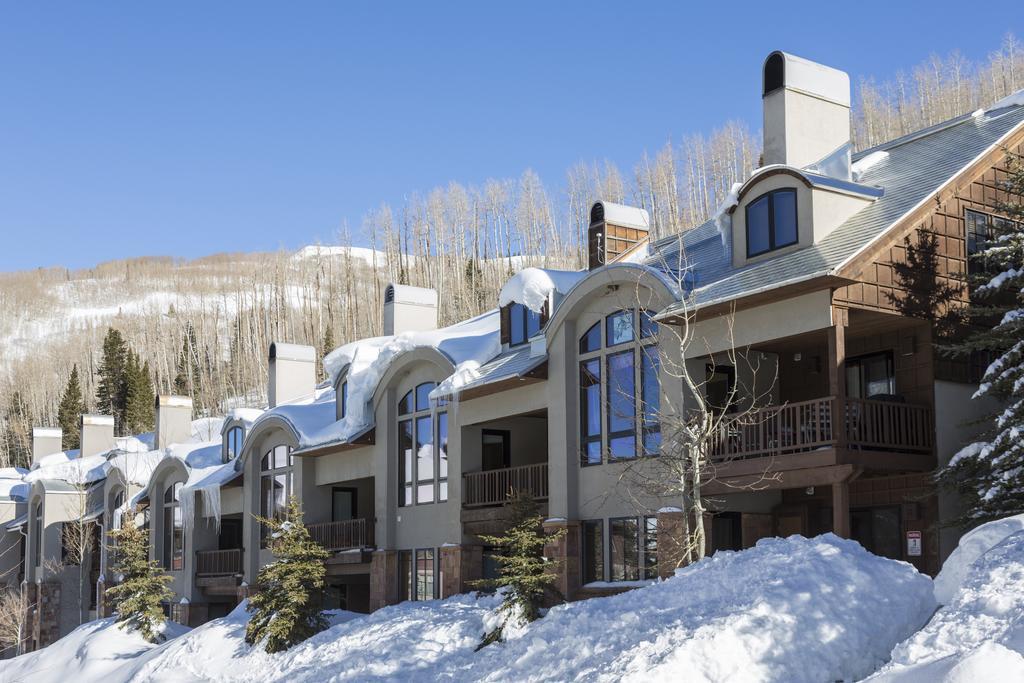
404,455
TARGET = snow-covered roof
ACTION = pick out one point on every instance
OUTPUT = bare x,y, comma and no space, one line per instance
532,287
911,171
626,216
466,345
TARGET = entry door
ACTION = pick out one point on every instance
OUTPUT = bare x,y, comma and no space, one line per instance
878,529
343,504
496,449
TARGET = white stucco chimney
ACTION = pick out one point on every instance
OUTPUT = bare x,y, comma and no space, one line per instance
806,115
409,309
46,441
292,370
173,421
97,434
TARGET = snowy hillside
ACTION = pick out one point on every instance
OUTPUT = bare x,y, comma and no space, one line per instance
788,610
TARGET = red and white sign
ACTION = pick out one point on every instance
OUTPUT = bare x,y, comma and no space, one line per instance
914,544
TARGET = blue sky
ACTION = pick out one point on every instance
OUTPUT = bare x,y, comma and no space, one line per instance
191,128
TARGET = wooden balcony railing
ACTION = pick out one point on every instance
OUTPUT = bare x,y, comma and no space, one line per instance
342,535
883,425
218,562
492,487
808,425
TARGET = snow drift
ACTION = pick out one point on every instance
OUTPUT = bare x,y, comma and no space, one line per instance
92,652
791,609
979,634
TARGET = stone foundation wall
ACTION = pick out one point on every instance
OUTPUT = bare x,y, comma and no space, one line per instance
383,579
564,551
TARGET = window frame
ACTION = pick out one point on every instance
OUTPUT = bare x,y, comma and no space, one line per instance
229,454
859,363
172,557
414,413
637,547
529,324
269,470
37,531
773,244
646,427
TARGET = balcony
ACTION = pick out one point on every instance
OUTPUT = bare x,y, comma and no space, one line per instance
493,487
869,426
210,563
341,535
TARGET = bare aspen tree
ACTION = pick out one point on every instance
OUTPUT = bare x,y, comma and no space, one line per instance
693,427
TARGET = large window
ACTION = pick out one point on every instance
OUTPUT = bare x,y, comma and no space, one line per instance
37,534
624,547
522,324
173,557
233,443
423,459
276,485
632,549
619,388
418,574
870,376
982,228
771,222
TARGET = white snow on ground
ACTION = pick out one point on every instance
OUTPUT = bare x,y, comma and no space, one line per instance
979,634
973,545
789,610
532,287
92,652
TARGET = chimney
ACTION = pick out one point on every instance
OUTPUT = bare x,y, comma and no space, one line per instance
97,434
806,115
292,370
616,231
46,441
173,421
409,309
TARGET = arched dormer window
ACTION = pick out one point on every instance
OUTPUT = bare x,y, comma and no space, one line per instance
422,448
276,485
771,222
233,440
342,398
116,517
173,556
619,388
519,323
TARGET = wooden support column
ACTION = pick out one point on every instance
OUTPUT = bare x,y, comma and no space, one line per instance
841,508
836,361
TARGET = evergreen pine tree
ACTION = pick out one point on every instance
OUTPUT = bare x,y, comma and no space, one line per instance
925,295
143,585
286,608
989,474
524,572
110,390
139,398
327,345
72,405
